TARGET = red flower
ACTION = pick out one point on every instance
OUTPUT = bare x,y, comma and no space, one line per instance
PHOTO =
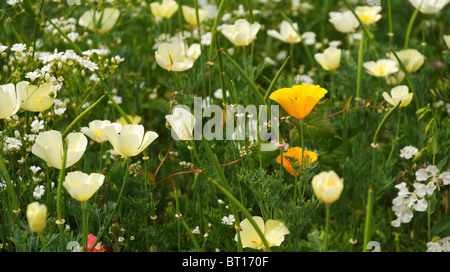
90,243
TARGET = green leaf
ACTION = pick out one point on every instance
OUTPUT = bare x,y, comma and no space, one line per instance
441,228
315,127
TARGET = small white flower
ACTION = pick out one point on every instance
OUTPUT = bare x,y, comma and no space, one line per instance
13,144
38,191
60,111
18,47
408,152
432,172
3,48
196,230
33,75
35,169
37,125
228,220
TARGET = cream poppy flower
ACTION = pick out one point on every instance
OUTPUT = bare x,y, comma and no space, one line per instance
166,9
36,98
99,21
287,34
329,59
182,123
429,6
49,147
327,186
36,217
381,68
344,22
190,16
273,230
395,78
94,131
10,100
172,57
130,140
82,186
135,120
399,94
412,59
368,14
447,40
241,33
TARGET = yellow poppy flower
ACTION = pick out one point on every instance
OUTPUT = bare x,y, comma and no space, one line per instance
299,100
296,152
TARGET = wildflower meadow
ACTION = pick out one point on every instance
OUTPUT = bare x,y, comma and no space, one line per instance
249,126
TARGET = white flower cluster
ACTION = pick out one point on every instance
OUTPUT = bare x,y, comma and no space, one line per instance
408,152
406,202
68,57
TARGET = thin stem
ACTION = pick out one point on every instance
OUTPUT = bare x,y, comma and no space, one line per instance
41,238
429,220
408,79
327,226
391,33
380,126
360,65
368,220
59,195
83,208
111,215
246,214
395,139
9,185
410,25
178,215
36,26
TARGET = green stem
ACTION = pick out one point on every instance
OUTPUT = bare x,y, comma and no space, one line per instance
391,33
180,18
108,221
275,79
395,139
429,220
79,117
9,185
224,181
83,207
380,126
59,203
249,81
246,214
327,226
41,238
410,25
368,220
36,26
188,230
360,65
408,79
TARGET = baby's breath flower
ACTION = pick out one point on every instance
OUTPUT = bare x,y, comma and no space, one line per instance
408,152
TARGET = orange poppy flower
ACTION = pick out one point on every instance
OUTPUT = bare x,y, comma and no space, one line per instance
299,100
296,152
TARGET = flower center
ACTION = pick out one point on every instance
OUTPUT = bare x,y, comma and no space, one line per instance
98,132
380,70
365,18
292,37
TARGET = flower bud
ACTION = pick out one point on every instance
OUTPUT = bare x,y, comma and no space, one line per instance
37,217
327,186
